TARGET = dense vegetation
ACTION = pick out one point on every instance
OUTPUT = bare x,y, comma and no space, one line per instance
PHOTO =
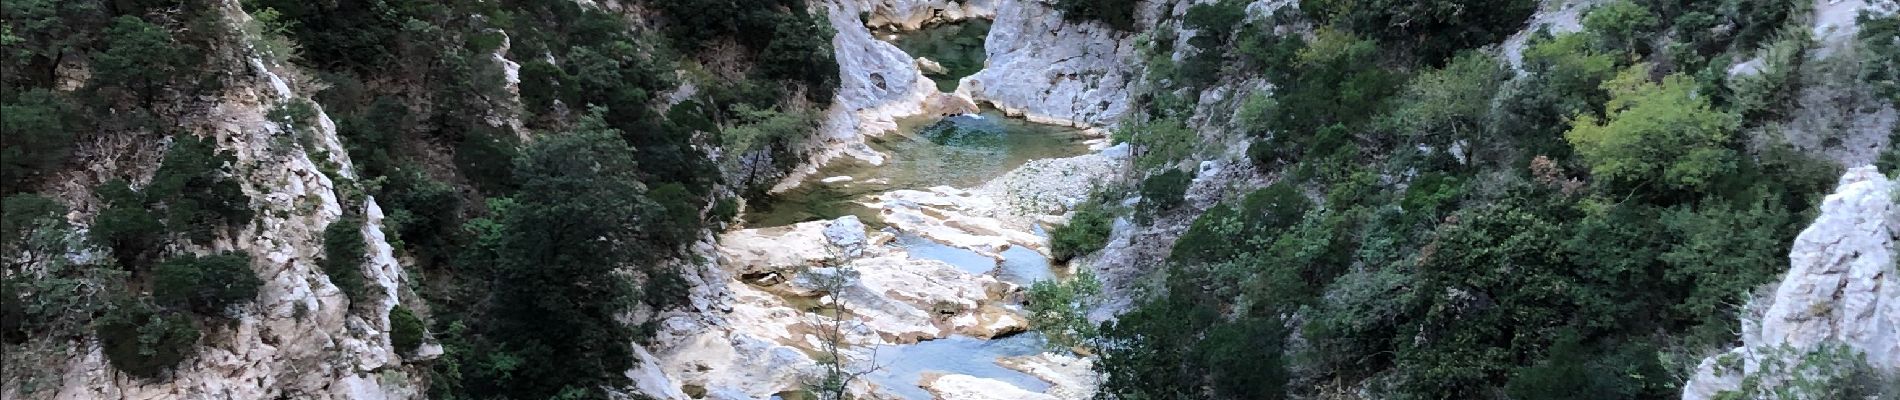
421,107
1443,226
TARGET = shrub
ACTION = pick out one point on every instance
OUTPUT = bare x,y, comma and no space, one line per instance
192,185
1432,29
36,134
1086,232
1158,143
125,226
144,341
1655,133
1059,309
343,252
1163,192
23,216
205,285
405,330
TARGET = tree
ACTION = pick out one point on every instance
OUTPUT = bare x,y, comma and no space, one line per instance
1622,25
405,330
560,242
1086,232
205,285
144,341
1448,105
1433,29
1059,309
125,226
140,57
1655,133
1163,192
36,134
344,251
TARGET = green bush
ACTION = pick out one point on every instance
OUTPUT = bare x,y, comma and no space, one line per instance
1086,232
1434,29
36,134
1162,192
194,191
405,330
144,341
1059,309
206,285
1660,133
344,250
125,226
23,216
1158,143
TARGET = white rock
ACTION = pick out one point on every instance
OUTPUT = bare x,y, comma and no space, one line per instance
965,387
1842,287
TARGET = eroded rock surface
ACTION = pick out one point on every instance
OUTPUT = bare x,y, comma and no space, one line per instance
1842,288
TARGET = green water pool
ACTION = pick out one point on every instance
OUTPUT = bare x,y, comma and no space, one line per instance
959,151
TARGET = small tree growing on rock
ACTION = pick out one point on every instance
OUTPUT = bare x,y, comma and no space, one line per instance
836,371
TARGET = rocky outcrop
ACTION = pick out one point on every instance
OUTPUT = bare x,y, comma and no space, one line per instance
1050,70
301,337
1842,288
915,14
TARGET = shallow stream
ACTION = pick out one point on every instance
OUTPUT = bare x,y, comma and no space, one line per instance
959,151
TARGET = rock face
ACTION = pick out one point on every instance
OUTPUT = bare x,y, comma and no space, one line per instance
301,337
1842,288
914,14
1054,71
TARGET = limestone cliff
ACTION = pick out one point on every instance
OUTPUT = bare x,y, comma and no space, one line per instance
301,337
1842,288
1052,70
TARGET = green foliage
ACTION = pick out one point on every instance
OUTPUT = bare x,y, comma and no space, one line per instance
1830,370
559,243
1571,371
1059,309
1879,39
141,57
46,294
1449,105
1158,143
801,52
1336,87
1214,25
125,226
1163,192
1720,252
765,140
1119,14
1656,133
405,330
1433,30
1769,93
1086,232
423,214
192,188
25,216
144,341
679,221
344,251
1622,25
36,134
206,285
